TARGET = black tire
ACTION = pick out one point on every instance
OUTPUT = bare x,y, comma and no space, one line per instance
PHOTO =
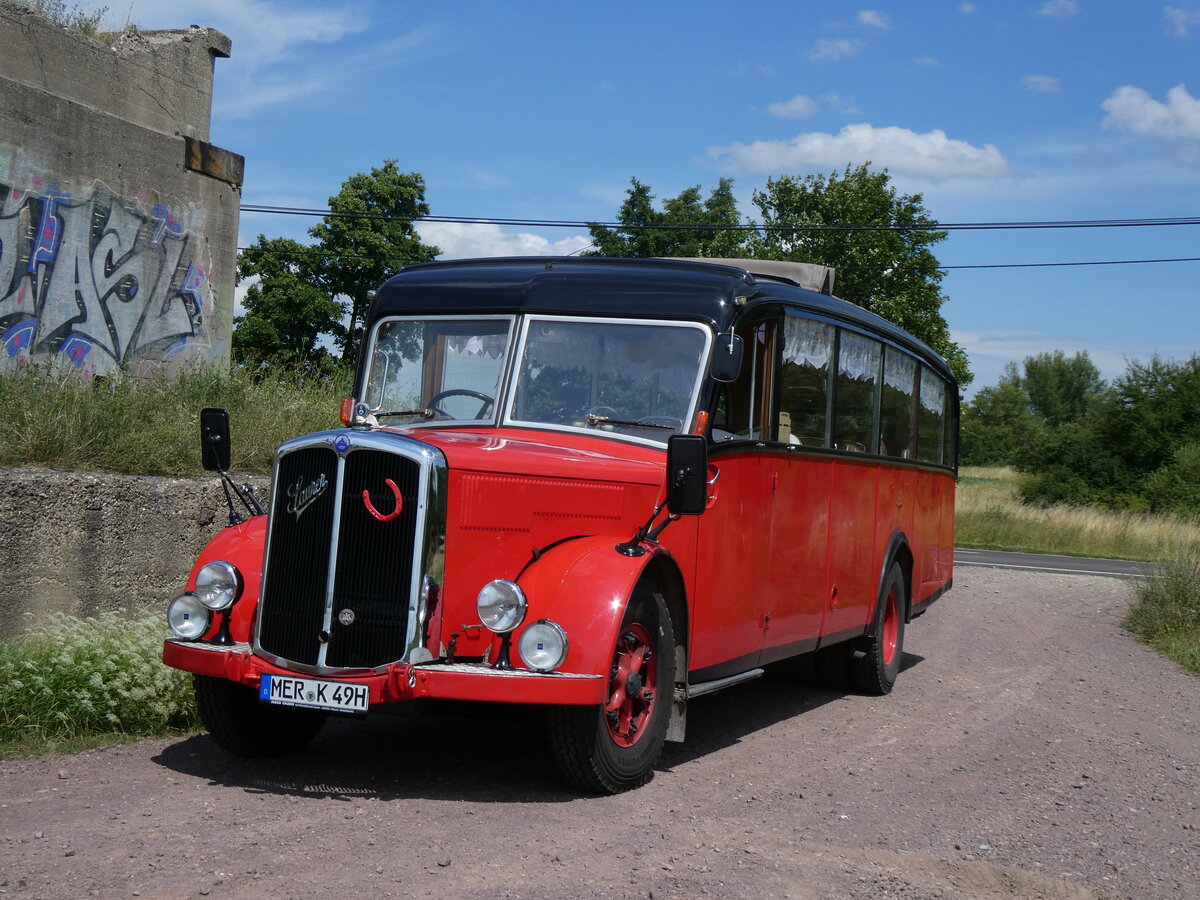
873,670
613,748
244,726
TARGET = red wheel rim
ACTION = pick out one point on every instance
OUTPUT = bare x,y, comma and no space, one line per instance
632,686
891,628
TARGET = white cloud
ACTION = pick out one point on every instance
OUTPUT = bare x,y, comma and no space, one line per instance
967,8
841,104
874,18
1059,9
1041,84
1180,21
281,50
827,49
799,107
465,240
928,62
932,156
1132,109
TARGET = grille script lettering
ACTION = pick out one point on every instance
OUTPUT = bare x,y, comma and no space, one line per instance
302,495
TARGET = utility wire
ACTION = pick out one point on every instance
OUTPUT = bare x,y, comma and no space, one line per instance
621,226
404,261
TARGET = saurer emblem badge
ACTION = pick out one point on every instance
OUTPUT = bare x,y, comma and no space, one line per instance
302,495
376,513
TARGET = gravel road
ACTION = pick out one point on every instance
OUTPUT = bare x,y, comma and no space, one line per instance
1030,749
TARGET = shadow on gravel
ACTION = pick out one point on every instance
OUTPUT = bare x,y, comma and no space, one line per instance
479,752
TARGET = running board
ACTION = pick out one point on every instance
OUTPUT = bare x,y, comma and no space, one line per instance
708,687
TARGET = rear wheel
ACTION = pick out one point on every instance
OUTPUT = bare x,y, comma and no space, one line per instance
614,747
244,726
874,670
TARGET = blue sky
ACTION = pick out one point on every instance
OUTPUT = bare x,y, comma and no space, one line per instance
1025,110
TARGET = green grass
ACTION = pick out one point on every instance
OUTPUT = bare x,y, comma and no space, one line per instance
991,516
72,683
54,418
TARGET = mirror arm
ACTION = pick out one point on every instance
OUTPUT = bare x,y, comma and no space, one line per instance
633,547
226,484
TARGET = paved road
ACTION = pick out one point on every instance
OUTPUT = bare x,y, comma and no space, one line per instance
1062,565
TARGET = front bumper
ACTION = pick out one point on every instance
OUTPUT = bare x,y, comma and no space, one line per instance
401,681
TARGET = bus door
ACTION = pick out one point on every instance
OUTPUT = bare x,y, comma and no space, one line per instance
734,550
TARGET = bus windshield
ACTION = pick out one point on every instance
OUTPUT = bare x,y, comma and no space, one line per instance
638,379
437,369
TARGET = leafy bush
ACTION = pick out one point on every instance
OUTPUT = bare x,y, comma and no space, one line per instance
1166,611
1175,487
71,677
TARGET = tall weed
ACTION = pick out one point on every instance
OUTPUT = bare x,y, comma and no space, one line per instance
1166,611
72,677
54,418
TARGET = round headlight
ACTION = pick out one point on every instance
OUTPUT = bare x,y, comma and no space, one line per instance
543,646
187,617
501,606
218,585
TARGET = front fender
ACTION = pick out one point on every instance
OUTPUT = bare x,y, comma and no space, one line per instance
584,585
241,545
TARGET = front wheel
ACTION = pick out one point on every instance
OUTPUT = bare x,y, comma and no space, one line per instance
875,668
613,748
244,726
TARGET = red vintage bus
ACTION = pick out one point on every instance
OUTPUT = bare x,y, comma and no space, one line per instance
605,486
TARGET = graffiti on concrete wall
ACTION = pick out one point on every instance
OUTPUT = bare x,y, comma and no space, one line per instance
100,281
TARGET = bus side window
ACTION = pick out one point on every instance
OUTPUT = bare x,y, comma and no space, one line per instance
899,397
804,386
931,424
856,401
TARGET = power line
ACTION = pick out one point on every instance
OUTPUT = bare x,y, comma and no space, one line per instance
404,261
621,226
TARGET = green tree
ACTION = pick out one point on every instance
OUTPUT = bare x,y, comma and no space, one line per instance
1062,389
998,422
368,237
1152,410
648,232
888,268
287,313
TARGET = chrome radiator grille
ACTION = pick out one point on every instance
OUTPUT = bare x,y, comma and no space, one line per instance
340,586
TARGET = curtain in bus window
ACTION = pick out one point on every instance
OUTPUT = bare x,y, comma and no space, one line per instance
807,349
931,414
857,392
897,414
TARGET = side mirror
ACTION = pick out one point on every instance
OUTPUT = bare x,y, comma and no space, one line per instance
726,358
687,474
214,439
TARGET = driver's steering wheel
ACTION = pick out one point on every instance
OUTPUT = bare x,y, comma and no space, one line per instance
486,402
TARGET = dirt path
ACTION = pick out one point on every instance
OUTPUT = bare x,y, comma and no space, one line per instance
1030,749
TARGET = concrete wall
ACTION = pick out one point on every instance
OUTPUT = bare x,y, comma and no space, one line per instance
84,543
118,220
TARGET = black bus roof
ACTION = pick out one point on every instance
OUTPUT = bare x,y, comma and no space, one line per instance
709,291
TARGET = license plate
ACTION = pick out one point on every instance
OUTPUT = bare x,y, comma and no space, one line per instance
288,690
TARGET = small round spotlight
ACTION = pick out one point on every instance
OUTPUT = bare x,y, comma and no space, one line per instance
543,646
218,585
501,605
187,617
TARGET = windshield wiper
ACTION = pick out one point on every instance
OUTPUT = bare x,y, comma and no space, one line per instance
593,419
423,413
